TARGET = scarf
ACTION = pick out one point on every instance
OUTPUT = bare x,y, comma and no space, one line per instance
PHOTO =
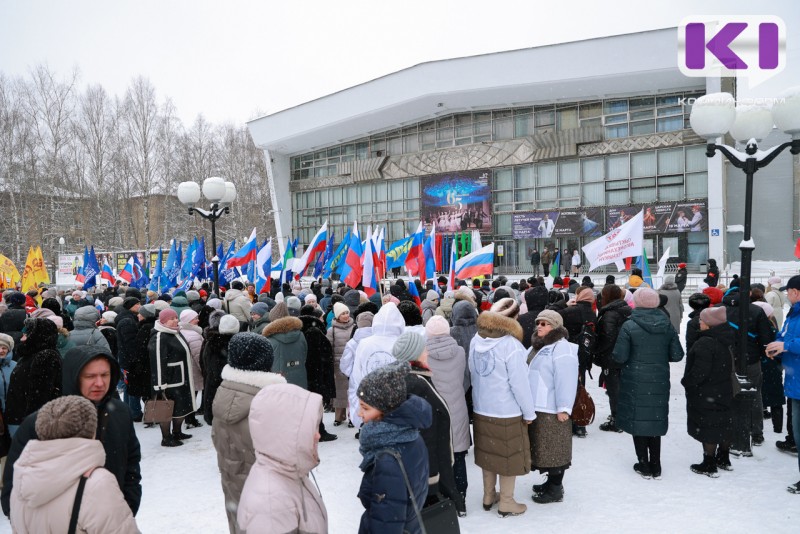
378,435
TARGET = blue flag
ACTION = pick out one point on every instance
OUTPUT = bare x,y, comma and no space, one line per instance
155,279
139,279
397,252
90,269
169,276
188,259
333,264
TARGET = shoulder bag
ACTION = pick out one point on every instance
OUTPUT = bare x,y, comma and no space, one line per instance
158,410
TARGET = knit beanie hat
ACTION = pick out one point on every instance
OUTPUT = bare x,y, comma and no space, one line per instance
53,305
215,317
167,315
109,316
133,292
646,298
364,319
15,299
437,326
228,325
147,311
7,342
249,351
339,309
214,303
187,316
410,312
160,305
715,294
113,302
293,305
432,295
768,309
385,387
773,281
714,316
552,317
610,279
192,295
352,298
507,307
71,416
279,311
260,309
311,298
130,302
408,347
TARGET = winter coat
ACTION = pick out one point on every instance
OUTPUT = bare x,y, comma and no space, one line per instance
535,302
193,335
553,374
498,368
36,379
230,431
74,305
447,362
319,359
238,305
86,331
445,308
546,257
646,345
680,279
126,324
777,299
674,304
535,258
110,333
46,477
171,369
790,335
349,355
12,322
709,387
258,326
290,350
139,382
437,437
383,491
712,274
692,329
429,310
464,328
575,317
7,365
609,321
759,330
213,358
280,475
339,335
374,351
179,304
114,430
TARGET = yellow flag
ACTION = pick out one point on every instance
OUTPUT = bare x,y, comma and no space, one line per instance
40,271
28,274
9,275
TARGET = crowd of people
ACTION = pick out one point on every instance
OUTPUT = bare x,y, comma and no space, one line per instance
494,365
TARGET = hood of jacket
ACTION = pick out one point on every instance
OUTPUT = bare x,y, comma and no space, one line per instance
651,320
536,298
283,421
86,317
388,321
464,314
76,359
618,305
230,294
362,333
493,325
447,303
415,412
429,305
179,302
441,347
289,328
42,335
723,333
669,285
242,382
47,469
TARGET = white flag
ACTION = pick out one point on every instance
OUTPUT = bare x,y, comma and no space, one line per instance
623,242
662,264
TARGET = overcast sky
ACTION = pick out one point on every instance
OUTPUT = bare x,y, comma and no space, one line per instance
234,60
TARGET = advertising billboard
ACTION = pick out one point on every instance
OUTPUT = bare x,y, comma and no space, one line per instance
457,201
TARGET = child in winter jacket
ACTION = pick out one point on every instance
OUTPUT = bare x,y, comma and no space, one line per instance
395,458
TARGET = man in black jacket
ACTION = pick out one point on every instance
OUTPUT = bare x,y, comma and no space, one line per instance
127,325
680,277
93,373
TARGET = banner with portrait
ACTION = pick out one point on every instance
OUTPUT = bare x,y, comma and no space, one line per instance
564,223
457,201
663,217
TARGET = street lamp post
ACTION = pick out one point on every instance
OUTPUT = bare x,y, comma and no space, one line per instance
713,116
221,195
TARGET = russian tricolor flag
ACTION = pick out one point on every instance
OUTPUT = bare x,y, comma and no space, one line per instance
412,290
480,262
317,245
246,254
352,269
451,280
369,280
415,261
107,274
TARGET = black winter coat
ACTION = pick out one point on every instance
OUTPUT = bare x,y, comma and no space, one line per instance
760,331
110,334
609,322
680,279
692,329
574,319
536,301
319,359
709,387
114,430
127,324
139,365
213,357
12,322
36,380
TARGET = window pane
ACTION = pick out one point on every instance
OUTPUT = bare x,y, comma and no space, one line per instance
546,174
644,114
394,146
335,196
643,127
546,204
380,191
523,177
587,111
615,106
696,160
503,179
643,182
641,103
322,198
365,193
616,197
617,119
617,166
676,179
502,224
546,193
643,195
523,125
568,202
503,196
545,118
592,170
524,194
569,172
670,192
567,118
569,191
503,207
396,190
592,194
410,143
669,124
697,185
670,161
412,205
524,206
503,128
412,188
643,164
616,185
615,132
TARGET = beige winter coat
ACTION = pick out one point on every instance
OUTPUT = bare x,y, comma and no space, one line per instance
46,478
339,334
238,304
230,431
193,335
279,495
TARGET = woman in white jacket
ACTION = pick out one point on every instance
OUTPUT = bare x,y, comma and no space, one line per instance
553,377
49,471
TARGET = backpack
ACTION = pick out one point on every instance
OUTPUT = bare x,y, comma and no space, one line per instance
586,341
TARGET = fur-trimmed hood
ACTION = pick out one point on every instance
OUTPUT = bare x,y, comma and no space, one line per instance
494,325
551,337
283,325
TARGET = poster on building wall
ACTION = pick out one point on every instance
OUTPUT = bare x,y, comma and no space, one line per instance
70,264
457,201
534,224
663,217
689,217
580,222
141,255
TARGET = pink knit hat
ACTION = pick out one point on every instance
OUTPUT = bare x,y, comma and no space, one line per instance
644,297
437,326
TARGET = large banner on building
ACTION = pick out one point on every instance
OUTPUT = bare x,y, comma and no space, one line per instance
457,201
663,217
689,217
546,224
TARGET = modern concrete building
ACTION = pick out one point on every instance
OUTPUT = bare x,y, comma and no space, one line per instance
546,146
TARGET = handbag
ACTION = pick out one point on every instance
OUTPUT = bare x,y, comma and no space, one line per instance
583,409
158,411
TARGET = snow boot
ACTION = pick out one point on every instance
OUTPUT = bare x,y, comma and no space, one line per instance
655,470
553,493
171,441
643,468
192,422
788,446
610,426
541,488
508,506
180,435
708,467
723,460
490,497
579,431
327,436
794,488
758,440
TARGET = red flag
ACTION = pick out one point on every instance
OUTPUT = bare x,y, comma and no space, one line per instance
628,264
797,249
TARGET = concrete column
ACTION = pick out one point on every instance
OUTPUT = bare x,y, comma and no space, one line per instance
716,195
278,175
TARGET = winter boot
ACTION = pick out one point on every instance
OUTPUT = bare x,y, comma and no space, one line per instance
192,422
643,468
508,506
579,431
553,493
655,470
490,497
171,441
777,419
610,426
708,467
541,488
794,488
177,434
757,440
723,460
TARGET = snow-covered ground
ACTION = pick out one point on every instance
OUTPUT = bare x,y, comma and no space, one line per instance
182,493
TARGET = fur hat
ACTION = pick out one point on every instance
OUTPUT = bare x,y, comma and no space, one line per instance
260,309
646,298
339,309
552,317
699,301
364,319
130,302
279,311
610,279
214,319
385,387
410,312
237,285
7,342
71,416
249,351
437,326
228,325
432,295
147,311
714,316
187,316
113,302
408,347
506,306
